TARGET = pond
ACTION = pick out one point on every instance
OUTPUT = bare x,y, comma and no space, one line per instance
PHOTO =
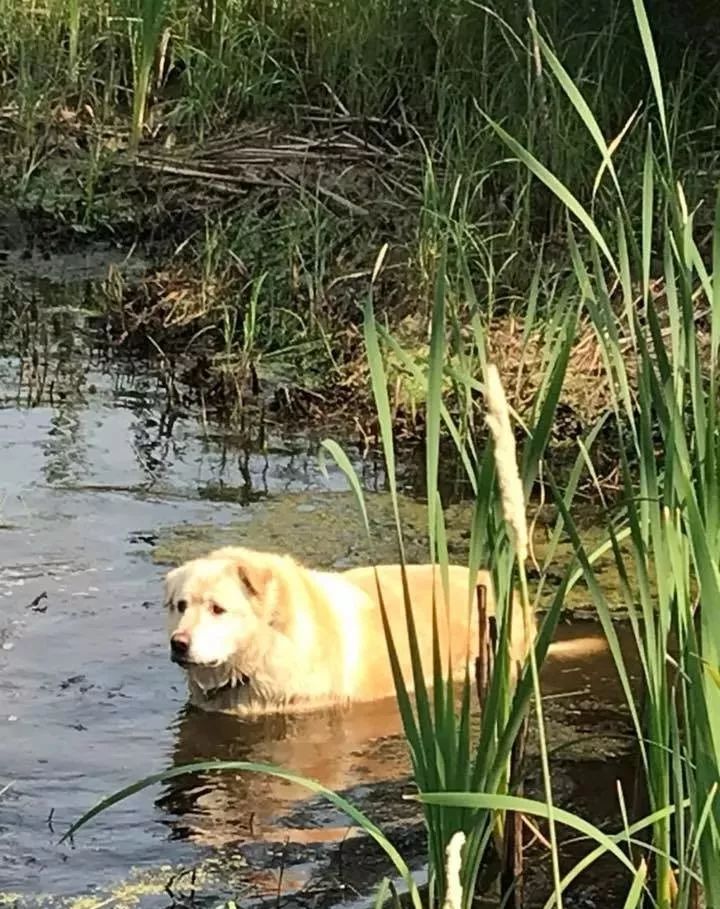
101,487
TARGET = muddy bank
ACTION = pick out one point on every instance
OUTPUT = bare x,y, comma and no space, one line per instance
250,314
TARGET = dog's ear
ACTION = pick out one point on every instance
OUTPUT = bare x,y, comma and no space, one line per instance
169,583
250,568
254,576
261,575
267,585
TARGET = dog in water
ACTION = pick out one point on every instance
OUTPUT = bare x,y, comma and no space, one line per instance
258,632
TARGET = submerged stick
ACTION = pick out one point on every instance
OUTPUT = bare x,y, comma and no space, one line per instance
486,650
511,876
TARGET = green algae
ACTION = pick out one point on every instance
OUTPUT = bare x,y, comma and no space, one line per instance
326,530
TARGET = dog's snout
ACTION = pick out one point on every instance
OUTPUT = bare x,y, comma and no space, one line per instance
179,645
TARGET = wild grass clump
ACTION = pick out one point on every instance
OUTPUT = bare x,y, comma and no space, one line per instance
650,286
176,73
86,88
146,39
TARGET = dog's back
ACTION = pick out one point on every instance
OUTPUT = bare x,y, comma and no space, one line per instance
457,617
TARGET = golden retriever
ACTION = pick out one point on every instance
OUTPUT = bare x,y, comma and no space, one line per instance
258,632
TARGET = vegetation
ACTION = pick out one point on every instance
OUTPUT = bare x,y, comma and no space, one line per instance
642,268
264,152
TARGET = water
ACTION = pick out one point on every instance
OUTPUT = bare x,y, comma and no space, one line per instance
88,698
97,478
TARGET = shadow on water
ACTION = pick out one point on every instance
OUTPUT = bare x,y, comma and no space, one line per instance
105,476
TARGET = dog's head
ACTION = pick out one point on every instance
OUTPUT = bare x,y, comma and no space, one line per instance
220,605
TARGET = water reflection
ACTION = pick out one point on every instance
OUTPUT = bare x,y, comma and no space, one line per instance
338,749
65,446
93,416
362,745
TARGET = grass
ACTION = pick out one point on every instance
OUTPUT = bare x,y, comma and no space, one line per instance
84,87
641,263
443,753
146,35
668,431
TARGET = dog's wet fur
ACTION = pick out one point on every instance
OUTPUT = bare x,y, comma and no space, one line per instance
258,632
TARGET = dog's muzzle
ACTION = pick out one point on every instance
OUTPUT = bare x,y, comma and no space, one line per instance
179,648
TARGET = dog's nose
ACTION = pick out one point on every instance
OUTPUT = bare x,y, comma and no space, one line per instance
179,645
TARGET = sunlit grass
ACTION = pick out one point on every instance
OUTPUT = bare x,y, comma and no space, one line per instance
659,328
145,32
170,71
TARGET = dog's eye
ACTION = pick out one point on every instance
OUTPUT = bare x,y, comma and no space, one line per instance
181,605
216,609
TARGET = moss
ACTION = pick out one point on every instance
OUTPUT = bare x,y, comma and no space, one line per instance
326,530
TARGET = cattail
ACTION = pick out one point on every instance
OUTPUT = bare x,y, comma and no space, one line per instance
453,893
511,491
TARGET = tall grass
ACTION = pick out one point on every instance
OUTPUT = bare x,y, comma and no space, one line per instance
450,766
146,30
73,37
650,284
402,66
444,755
391,72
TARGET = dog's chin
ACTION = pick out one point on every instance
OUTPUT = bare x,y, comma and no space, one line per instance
187,663
216,678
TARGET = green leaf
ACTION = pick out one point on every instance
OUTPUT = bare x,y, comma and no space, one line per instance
498,802
653,67
558,188
251,767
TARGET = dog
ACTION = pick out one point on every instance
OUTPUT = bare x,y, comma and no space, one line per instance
258,632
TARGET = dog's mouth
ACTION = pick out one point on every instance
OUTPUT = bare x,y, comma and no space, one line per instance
236,680
186,662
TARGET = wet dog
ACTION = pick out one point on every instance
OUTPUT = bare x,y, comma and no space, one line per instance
258,632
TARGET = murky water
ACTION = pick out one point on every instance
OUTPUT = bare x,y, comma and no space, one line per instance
88,698
98,484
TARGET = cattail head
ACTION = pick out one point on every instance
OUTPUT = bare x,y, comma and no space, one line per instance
453,861
511,491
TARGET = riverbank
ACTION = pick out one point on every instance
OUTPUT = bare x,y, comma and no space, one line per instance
259,159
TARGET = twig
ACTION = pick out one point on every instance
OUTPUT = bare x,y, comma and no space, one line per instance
511,875
485,655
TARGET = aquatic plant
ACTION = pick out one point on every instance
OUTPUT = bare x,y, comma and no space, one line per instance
651,286
445,756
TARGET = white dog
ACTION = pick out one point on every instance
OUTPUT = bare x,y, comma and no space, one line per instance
257,632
